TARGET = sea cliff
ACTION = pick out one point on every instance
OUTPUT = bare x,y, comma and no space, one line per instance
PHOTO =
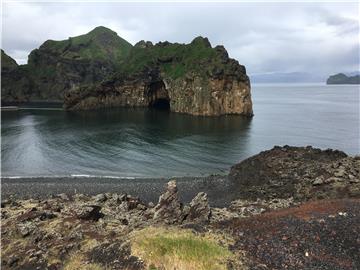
102,70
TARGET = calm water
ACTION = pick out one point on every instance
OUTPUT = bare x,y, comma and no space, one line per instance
142,143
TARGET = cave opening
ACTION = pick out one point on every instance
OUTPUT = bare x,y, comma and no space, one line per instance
158,96
161,104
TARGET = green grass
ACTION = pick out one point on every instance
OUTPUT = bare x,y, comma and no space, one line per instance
178,249
100,44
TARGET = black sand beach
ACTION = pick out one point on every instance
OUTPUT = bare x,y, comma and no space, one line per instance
217,187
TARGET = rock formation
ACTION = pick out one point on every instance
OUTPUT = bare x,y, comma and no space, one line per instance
101,70
169,209
303,173
341,78
199,208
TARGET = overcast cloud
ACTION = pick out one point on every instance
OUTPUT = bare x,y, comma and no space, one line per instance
321,38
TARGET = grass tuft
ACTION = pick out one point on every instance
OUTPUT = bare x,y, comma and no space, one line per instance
178,249
77,262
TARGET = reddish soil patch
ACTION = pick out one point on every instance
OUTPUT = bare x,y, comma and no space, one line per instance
315,235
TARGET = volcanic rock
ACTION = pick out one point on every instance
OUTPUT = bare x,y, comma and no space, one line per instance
300,172
88,212
199,208
169,208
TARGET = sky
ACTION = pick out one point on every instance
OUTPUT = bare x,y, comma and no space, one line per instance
319,38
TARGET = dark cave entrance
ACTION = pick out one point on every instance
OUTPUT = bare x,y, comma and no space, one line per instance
161,104
158,96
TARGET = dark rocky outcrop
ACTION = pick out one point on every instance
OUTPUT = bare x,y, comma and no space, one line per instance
341,78
300,172
101,70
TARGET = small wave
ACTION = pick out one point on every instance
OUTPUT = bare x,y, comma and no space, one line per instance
117,177
70,176
82,175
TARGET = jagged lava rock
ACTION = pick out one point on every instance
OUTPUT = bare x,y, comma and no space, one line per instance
199,208
169,209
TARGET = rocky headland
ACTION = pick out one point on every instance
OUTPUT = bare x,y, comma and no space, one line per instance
341,78
297,208
102,70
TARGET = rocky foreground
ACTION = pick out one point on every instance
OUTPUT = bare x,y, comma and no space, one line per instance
298,208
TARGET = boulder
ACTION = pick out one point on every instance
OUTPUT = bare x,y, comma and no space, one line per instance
100,198
88,212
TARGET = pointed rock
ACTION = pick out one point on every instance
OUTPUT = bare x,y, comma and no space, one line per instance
169,207
199,208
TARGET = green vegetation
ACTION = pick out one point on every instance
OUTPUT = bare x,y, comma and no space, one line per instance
101,44
178,249
173,59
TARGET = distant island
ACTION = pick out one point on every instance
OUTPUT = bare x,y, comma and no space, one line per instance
102,70
341,78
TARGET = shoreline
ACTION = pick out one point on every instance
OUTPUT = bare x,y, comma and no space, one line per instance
287,206
252,178
217,187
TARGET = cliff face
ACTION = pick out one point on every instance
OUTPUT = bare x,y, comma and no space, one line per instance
58,66
101,70
343,79
193,78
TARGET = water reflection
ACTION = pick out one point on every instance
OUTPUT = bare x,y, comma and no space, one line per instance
124,142
148,143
